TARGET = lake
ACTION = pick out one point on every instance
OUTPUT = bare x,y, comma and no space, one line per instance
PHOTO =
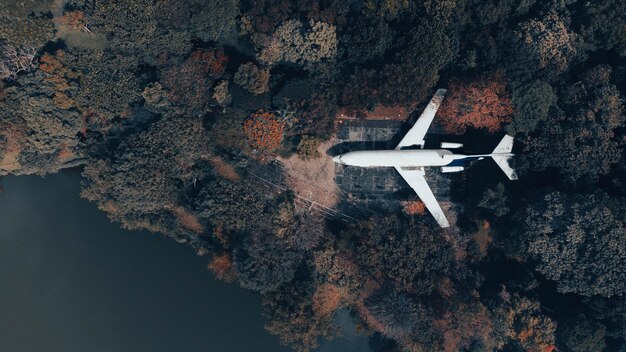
70,280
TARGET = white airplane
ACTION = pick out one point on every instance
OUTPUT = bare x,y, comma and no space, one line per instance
410,163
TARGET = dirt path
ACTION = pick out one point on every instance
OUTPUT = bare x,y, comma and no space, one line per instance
313,179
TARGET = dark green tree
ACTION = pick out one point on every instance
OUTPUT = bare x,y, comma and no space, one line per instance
578,242
541,48
601,23
366,40
495,200
580,139
408,253
399,313
265,262
580,334
142,181
290,316
531,104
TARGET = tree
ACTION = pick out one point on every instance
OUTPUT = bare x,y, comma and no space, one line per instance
61,77
491,12
264,263
292,42
212,20
221,94
366,39
230,205
252,78
398,312
495,200
327,298
264,131
602,24
408,253
14,60
481,103
545,46
466,324
222,267
291,315
408,77
74,20
41,119
108,82
519,320
338,269
531,104
414,208
306,231
189,85
142,180
388,9
611,312
26,23
402,317
307,148
135,29
579,334
416,70
315,115
584,129
579,243
155,97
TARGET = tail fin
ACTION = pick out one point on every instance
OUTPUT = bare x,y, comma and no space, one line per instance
504,147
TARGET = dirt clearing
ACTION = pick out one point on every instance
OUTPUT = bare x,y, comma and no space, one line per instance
313,179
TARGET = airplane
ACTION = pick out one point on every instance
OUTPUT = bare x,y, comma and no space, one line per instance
410,163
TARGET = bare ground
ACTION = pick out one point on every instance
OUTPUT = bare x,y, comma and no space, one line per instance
9,161
313,179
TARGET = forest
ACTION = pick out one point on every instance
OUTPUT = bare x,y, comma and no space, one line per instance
170,107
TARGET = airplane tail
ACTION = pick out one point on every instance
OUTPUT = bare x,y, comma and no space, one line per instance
504,147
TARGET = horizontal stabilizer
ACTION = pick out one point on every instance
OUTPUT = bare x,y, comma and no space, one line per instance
504,148
503,162
505,145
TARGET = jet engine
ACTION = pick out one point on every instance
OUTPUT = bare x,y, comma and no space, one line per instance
449,169
449,145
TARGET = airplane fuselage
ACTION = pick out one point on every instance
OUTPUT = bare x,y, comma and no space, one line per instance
402,158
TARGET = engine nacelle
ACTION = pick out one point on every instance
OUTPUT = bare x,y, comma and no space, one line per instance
449,169
449,145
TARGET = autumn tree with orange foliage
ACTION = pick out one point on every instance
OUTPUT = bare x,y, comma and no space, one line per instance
482,103
415,208
59,76
520,319
465,323
222,267
189,84
75,20
327,299
264,131
212,62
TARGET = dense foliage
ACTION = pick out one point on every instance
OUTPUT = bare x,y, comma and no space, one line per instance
176,108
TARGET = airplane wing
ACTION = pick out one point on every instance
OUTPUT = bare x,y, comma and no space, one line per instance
416,134
415,179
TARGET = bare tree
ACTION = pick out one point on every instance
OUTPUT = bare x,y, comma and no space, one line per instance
14,60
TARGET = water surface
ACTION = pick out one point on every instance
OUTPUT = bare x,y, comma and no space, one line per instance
72,281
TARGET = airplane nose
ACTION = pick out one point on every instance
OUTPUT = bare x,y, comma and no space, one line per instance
337,159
